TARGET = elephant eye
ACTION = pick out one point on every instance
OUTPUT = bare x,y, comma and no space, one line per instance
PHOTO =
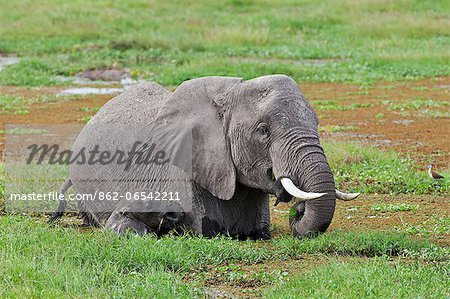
263,129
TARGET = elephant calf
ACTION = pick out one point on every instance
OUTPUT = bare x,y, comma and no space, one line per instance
249,139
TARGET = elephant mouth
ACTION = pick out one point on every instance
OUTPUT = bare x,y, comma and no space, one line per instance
283,197
277,188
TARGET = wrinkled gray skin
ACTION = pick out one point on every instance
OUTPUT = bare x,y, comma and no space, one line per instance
160,223
243,131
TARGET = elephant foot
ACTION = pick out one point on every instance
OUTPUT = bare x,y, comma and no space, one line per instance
121,224
263,234
256,235
210,228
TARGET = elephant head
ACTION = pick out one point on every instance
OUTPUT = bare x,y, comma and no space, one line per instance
260,133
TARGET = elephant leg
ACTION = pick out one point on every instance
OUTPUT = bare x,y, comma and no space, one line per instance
262,226
210,228
258,213
88,218
246,215
254,223
119,223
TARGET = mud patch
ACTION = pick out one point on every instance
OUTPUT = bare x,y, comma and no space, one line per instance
8,60
428,221
242,280
111,80
425,137
63,111
109,75
404,122
90,91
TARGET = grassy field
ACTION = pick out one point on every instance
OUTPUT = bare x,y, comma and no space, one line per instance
350,41
369,170
172,41
38,261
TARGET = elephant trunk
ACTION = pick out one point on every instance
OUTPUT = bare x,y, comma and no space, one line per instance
306,165
315,216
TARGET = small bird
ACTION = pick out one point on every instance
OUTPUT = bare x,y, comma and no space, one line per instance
434,175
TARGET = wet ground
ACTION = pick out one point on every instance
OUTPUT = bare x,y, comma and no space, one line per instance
7,60
409,117
412,118
426,220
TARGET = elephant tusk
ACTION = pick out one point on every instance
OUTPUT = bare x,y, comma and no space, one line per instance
346,196
294,191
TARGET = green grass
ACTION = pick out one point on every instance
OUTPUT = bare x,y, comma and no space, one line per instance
333,105
434,114
30,72
92,110
376,278
234,273
38,260
366,169
361,244
362,93
21,106
89,109
400,207
334,129
13,104
85,119
173,41
435,226
2,189
415,104
20,131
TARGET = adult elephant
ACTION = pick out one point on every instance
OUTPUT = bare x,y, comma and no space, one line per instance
249,139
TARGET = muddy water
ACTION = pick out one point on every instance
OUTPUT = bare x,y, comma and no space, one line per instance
90,91
8,60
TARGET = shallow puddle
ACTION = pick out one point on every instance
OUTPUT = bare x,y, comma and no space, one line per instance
404,122
90,90
85,81
8,60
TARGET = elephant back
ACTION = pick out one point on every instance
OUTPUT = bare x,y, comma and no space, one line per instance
115,127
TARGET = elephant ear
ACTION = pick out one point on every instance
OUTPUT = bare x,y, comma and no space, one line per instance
198,104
